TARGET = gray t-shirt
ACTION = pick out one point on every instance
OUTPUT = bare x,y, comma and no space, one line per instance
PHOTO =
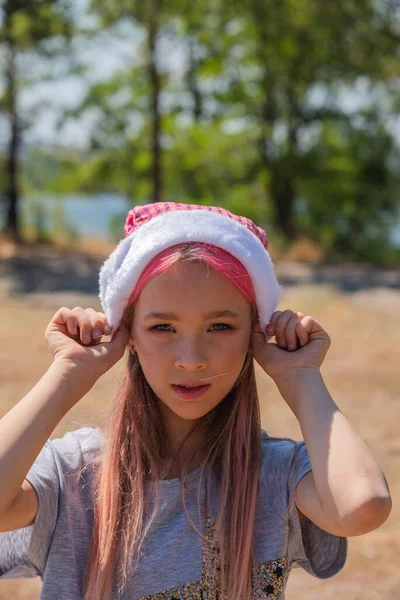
175,561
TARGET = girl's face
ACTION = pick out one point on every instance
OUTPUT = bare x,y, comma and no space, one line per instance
187,345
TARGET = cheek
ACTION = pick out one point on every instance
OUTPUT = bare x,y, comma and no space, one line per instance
229,358
148,343
236,348
153,356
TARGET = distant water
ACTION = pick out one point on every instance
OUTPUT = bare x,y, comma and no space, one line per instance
90,214
395,236
93,214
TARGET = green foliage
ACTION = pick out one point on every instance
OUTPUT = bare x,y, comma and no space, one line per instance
351,191
253,122
30,24
206,165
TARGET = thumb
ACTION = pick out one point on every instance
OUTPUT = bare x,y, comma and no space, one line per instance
120,335
257,335
107,354
258,341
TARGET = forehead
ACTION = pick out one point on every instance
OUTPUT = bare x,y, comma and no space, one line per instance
190,286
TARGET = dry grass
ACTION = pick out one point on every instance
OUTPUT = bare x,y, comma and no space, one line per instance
361,372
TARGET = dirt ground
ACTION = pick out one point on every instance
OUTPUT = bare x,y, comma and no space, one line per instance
359,308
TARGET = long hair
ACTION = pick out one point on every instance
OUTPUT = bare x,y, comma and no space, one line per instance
133,456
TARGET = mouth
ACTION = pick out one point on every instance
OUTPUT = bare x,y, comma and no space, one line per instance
190,391
190,385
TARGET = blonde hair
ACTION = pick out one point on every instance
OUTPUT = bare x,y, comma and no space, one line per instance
133,457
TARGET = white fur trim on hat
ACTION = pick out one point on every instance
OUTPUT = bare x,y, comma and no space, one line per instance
120,272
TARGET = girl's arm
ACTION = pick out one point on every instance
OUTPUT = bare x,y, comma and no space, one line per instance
79,361
346,492
25,429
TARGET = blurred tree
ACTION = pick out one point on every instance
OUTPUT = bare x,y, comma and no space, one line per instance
242,105
133,125
290,52
140,86
26,27
351,189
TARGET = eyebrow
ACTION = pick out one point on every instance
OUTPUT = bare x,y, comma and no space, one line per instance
174,317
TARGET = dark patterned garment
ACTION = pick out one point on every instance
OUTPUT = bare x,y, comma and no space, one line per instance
268,581
175,563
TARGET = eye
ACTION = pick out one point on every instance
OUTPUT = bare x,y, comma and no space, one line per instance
222,325
162,325
155,328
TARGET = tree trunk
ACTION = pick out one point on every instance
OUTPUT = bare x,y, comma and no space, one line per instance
12,225
192,82
283,198
282,186
155,82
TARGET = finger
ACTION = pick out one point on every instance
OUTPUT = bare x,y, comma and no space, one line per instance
67,319
302,333
291,332
107,326
272,322
310,325
102,325
85,327
72,325
98,323
280,327
275,317
61,316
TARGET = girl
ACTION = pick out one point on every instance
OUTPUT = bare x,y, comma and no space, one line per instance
184,496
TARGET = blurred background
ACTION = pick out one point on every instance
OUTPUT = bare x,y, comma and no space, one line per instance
286,112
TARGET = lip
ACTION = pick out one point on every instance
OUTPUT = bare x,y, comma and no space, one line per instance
190,383
188,394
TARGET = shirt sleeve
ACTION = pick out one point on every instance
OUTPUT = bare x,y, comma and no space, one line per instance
318,552
23,552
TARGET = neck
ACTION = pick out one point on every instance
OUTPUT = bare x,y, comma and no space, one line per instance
177,454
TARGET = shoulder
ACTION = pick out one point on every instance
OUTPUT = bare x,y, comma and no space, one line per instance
77,448
278,453
284,462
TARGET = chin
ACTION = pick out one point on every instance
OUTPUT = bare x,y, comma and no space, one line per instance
189,411
192,413
189,417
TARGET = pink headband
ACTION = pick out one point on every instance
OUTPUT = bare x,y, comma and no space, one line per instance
152,228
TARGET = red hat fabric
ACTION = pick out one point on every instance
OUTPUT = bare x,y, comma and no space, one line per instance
139,215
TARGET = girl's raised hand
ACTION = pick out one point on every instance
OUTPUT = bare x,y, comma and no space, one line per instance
74,336
301,343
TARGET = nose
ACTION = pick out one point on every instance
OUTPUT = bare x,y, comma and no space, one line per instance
191,358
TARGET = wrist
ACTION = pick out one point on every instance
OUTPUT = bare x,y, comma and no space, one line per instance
76,376
295,378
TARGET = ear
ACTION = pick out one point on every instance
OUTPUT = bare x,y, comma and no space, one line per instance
130,343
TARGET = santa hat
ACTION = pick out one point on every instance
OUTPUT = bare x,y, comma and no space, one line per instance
152,228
